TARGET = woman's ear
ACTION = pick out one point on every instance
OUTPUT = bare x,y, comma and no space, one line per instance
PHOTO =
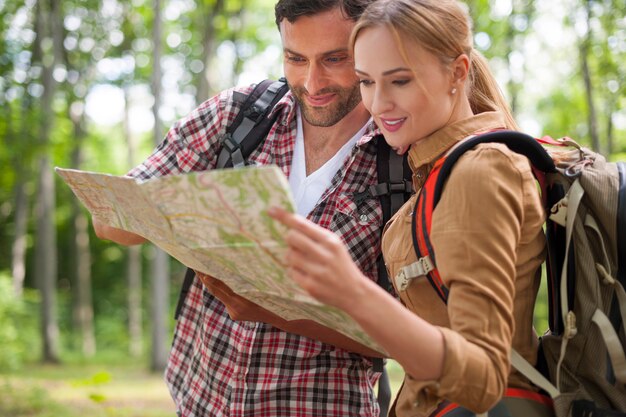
460,69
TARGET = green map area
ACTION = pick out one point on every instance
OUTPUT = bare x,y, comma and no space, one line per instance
215,222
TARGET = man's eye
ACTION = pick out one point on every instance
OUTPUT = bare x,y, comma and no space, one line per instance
295,59
335,59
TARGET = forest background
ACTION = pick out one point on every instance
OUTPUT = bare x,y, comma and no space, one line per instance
94,84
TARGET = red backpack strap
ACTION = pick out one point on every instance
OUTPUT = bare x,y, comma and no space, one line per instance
431,193
422,220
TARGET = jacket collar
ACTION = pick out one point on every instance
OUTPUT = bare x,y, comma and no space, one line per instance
428,149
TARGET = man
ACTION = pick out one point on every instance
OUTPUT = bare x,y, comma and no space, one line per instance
226,359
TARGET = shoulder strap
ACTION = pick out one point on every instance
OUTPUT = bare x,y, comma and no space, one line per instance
249,128
394,179
516,141
251,125
621,223
393,189
433,187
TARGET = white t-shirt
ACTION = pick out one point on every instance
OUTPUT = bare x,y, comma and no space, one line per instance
308,190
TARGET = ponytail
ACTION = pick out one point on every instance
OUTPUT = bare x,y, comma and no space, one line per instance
485,94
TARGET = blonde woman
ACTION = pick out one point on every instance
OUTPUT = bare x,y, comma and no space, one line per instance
428,89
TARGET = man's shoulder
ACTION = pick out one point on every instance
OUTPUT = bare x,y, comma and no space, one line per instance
234,98
240,93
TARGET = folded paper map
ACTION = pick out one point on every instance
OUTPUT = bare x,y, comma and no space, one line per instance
215,222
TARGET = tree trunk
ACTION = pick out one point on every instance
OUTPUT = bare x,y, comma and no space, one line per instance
159,309
20,205
48,28
610,108
83,303
160,262
18,250
592,119
235,34
513,36
133,274
133,266
513,86
208,42
46,260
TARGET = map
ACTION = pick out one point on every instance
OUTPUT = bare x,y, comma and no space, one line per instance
215,222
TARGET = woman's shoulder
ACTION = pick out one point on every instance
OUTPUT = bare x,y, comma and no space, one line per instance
487,160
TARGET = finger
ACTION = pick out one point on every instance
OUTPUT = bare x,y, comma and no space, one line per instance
309,265
298,276
300,242
305,281
294,221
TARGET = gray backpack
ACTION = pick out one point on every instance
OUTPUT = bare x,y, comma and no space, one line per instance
582,364
584,351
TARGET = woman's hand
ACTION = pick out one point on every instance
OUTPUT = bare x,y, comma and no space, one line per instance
319,262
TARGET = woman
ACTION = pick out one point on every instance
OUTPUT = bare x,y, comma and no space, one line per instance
428,89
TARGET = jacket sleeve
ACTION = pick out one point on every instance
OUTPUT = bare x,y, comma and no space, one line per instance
476,230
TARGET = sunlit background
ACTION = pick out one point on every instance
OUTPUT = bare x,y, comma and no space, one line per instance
94,84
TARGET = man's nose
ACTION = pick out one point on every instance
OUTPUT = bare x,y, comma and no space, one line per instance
316,78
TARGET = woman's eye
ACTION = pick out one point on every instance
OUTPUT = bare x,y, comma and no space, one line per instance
366,82
401,82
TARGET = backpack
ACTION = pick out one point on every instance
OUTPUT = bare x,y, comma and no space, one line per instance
250,128
581,358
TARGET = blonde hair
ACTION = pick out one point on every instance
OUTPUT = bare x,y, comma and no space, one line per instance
443,28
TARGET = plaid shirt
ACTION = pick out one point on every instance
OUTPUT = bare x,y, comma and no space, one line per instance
221,367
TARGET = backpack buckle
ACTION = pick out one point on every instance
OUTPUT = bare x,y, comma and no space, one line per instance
417,269
229,143
558,212
400,187
254,113
362,196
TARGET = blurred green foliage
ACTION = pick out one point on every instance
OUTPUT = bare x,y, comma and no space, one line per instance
18,326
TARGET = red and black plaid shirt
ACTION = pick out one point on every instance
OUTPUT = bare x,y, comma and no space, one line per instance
221,367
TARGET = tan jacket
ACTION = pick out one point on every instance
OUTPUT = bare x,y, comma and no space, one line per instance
489,244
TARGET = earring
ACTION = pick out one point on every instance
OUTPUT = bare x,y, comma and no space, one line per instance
453,92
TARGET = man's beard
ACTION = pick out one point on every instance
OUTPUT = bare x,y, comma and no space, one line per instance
347,99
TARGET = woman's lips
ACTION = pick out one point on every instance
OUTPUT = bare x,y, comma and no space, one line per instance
392,125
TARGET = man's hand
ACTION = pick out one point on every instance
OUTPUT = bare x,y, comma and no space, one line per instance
241,309
123,237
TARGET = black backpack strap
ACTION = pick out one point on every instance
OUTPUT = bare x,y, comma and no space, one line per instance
395,184
585,408
621,223
516,141
393,189
249,128
251,125
384,391
187,281
615,314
